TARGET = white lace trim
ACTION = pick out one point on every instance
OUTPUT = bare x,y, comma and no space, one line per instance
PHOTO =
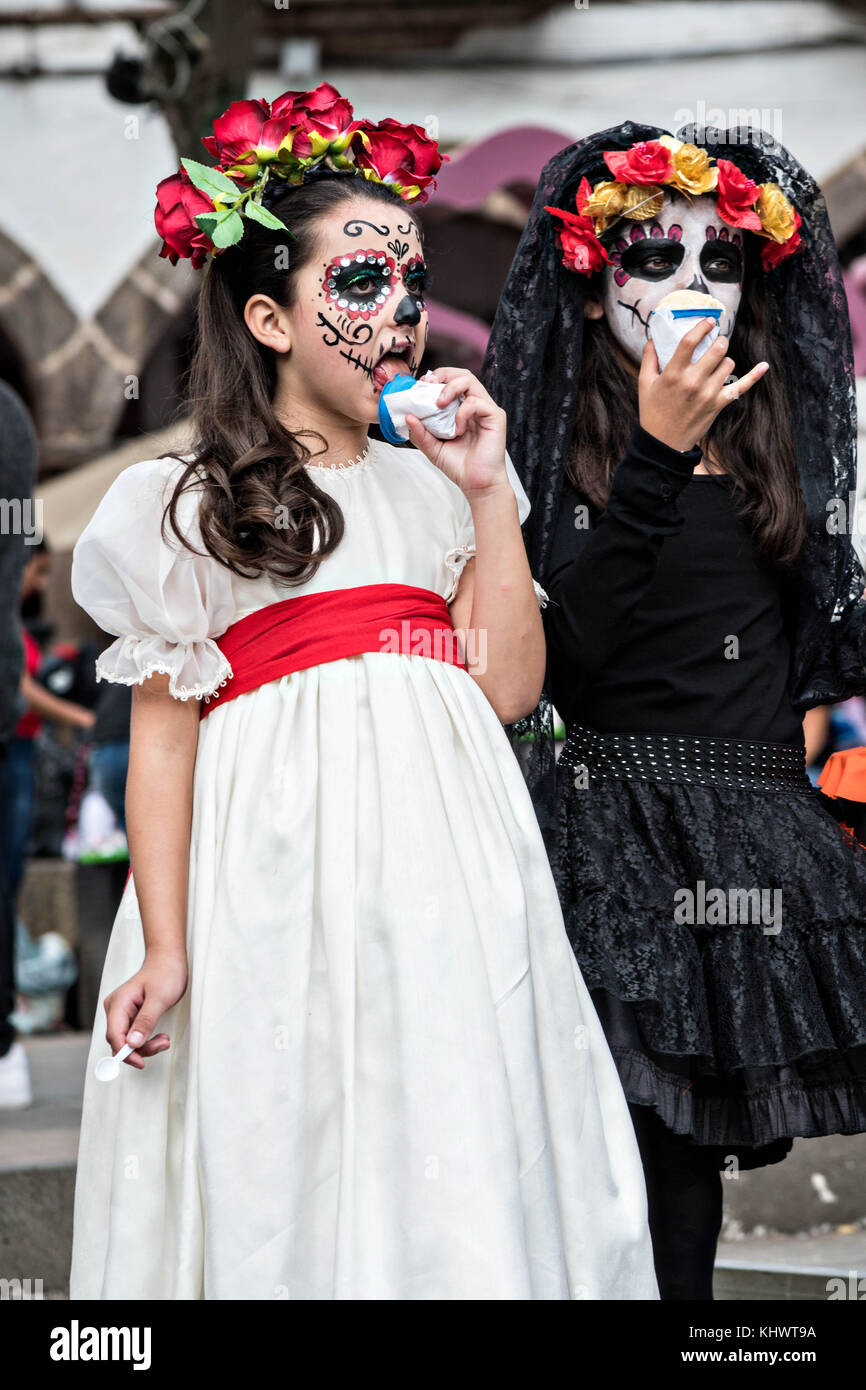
356,465
204,690
455,561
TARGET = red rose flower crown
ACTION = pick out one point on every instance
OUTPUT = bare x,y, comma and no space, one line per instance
200,210
640,176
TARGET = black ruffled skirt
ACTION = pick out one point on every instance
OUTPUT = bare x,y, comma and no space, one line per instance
741,1019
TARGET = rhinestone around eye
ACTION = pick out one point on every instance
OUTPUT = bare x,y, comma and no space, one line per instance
371,260
342,303
360,256
345,260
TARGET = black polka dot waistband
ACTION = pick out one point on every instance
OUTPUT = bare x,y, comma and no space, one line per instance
716,762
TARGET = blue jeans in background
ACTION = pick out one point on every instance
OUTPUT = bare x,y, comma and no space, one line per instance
107,764
17,800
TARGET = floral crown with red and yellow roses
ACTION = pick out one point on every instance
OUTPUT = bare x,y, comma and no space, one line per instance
200,210
640,176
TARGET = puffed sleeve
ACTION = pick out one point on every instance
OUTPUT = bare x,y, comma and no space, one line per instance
165,603
464,547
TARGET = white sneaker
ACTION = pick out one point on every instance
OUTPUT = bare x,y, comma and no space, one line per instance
15,1090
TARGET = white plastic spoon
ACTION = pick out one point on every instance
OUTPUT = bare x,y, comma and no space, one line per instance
107,1068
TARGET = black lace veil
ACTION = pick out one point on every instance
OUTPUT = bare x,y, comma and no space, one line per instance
532,368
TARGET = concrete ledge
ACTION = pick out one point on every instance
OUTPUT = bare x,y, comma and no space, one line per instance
36,1224
788,1283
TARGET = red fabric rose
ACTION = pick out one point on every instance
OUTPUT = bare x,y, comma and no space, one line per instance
178,203
583,195
735,197
772,252
398,154
245,128
321,112
646,162
581,248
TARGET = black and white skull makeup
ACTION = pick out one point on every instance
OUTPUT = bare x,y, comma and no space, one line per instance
686,246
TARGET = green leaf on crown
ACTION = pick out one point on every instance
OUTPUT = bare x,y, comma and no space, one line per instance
213,182
206,221
257,213
228,229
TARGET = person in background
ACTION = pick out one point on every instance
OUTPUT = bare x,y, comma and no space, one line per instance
109,747
830,728
17,775
18,454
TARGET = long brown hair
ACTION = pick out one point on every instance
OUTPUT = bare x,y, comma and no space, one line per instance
753,435
251,465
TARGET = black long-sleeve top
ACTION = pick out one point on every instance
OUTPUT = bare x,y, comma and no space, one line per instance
661,618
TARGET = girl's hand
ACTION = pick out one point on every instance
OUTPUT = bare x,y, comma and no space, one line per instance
136,1006
475,458
678,405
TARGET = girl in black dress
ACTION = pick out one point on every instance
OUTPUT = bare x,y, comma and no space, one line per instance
703,594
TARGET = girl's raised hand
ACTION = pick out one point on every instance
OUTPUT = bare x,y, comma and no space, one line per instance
678,405
137,1005
475,458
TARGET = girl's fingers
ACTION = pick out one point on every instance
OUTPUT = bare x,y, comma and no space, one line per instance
649,362
160,1042
120,1014
421,437
685,347
457,386
465,383
735,389
447,373
723,370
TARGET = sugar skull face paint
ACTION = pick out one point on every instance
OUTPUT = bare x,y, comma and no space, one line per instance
359,315
686,247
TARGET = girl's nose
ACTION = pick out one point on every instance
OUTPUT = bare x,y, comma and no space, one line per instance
407,311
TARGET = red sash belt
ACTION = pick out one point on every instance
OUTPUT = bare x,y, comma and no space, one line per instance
311,629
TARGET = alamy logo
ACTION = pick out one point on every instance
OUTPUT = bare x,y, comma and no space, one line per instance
77,1343
712,907
441,644
22,1289
22,517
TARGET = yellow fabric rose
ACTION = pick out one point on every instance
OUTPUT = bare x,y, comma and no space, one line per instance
775,212
693,173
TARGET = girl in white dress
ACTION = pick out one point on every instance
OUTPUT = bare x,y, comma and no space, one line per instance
383,1075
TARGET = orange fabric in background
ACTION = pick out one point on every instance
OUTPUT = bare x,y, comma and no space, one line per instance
844,774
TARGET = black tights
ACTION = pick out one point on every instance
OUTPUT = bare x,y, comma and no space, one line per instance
684,1194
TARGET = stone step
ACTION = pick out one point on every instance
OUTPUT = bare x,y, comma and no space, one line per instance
38,1147
793,1268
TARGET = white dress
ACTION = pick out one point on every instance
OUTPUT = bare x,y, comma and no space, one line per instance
386,1079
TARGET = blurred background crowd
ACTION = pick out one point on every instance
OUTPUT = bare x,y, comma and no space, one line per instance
102,97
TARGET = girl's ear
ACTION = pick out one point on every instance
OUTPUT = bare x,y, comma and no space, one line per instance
593,307
269,322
